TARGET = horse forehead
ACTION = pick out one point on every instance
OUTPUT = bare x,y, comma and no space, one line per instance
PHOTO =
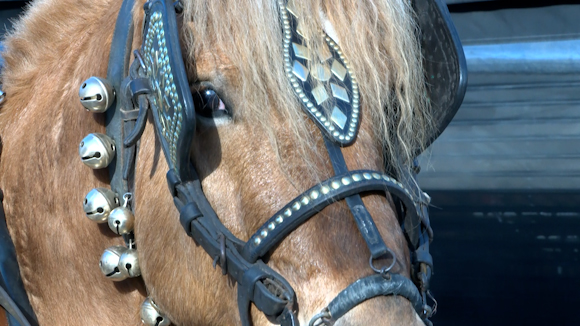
214,65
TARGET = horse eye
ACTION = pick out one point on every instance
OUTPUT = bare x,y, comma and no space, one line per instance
209,105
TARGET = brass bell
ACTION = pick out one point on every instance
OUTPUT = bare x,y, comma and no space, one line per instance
96,94
109,263
99,203
129,263
97,150
151,316
121,220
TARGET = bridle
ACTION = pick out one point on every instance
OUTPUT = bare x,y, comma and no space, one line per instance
156,82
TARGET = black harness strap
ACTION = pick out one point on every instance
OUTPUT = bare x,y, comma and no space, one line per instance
370,287
339,187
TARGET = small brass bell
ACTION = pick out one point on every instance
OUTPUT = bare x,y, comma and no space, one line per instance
129,263
96,94
109,263
97,150
99,203
151,316
121,220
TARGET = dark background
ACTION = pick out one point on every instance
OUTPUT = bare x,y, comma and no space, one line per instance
505,175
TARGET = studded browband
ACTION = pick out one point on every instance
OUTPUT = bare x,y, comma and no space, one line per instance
156,82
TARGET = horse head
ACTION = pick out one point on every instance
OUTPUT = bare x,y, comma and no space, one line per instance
278,121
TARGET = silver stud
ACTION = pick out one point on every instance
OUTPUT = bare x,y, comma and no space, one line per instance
325,190
264,233
367,176
109,263
97,150
346,181
279,219
257,240
99,203
305,200
96,94
314,194
335,184
129,263
356,177
288,212
376,176
272,226
151,315
296,206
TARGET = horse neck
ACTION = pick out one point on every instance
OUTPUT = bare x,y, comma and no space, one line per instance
41,175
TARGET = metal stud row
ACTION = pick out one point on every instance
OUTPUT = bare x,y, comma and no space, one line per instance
314,193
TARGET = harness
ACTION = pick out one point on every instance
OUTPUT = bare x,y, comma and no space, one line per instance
156,83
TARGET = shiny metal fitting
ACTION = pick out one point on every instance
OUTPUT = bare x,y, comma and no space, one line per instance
121,220
109,263
96,94
151,316
2,97
97,150
129,263
99,203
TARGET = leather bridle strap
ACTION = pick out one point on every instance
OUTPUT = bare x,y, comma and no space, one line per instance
370,287
257,282
313,200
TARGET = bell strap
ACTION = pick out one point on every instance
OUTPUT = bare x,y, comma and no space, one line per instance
313,200
118,68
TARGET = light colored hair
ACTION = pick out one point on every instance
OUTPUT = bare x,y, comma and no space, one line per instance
379,38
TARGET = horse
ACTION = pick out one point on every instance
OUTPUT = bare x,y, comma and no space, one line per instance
252,147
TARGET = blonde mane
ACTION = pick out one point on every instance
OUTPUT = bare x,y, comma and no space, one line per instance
384,53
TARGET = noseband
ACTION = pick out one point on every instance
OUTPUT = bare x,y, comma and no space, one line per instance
156,83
